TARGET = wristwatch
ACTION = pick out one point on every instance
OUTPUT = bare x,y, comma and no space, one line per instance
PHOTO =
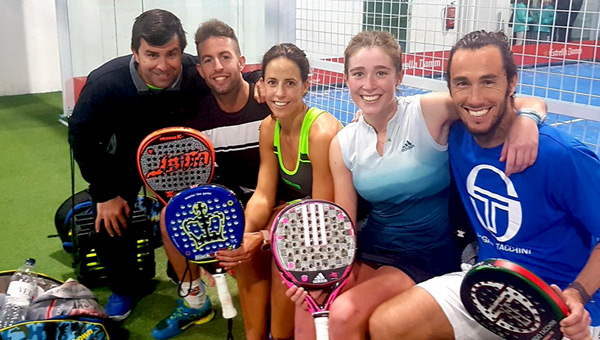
532,114
266,243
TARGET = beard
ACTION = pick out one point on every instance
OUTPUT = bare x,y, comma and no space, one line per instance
235,83
498,129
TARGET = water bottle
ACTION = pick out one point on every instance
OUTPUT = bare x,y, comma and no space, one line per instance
19,295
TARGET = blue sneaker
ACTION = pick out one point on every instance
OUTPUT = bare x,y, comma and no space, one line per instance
119,307
183,317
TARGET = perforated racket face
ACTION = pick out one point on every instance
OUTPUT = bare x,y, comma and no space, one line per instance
314,243
202,220
173,159
512,302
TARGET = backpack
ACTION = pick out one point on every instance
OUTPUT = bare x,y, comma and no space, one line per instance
75,224
80,203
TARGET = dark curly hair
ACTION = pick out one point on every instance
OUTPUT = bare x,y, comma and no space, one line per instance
480,39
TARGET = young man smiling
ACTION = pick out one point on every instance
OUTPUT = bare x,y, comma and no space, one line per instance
230,117
529,218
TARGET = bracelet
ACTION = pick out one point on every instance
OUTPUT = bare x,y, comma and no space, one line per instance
579,287
532,114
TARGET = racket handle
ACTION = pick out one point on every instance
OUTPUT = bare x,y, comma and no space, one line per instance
322,327
229,311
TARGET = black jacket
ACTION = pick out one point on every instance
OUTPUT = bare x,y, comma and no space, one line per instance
112,117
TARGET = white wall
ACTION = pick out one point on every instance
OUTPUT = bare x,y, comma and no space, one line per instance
29,61
99,30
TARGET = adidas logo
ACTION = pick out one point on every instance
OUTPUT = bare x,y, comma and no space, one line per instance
320,278
407,146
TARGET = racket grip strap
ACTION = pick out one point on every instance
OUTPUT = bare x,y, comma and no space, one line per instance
322,326
229,311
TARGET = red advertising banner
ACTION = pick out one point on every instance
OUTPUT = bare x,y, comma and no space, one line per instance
434,63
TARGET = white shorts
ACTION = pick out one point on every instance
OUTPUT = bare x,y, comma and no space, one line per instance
445,290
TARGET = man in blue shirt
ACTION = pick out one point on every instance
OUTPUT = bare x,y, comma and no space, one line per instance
533,218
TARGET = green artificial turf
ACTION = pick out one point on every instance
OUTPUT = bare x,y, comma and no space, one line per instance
35,178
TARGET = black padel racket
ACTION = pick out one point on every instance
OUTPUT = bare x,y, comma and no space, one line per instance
201,221
173,159
314,245
512,302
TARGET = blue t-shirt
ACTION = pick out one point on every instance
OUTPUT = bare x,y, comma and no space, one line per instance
545,218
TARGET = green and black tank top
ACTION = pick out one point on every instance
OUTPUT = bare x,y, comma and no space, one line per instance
299,179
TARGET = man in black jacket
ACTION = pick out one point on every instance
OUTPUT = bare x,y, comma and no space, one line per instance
122,102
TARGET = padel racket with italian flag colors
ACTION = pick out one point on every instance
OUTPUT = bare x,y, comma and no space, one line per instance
173,159
201,221
314,246
512,302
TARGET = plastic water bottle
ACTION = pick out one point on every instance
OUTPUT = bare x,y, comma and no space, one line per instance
20,293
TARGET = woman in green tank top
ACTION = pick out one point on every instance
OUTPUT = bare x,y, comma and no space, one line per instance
294,147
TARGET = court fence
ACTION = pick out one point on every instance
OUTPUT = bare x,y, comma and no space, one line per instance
557,50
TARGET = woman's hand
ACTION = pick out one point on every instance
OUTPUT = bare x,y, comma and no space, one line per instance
297,295
229,259
521,146
259,91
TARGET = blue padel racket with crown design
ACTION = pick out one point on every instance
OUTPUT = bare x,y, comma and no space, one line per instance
201,221
512,302
314,246
173,159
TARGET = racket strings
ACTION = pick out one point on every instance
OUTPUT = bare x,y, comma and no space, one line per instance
176,164
200,228
511,301
314,237
510,308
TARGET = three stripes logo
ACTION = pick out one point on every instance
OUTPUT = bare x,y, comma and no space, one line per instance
320,278
314,230
407,146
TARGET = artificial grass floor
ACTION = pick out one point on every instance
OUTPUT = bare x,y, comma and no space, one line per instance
34,180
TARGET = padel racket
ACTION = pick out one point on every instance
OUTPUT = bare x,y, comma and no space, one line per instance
201,221
512,302
314,246
173,159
